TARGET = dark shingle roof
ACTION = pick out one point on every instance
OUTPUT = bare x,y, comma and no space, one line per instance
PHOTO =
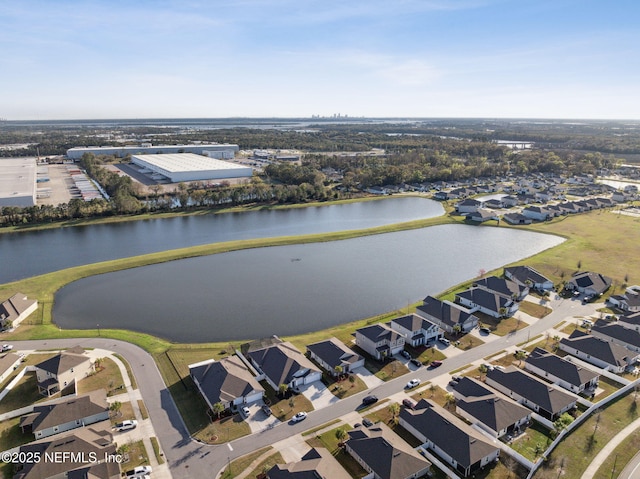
457,439
547,397
617,331
496,412
469,388
502,286
446,312
385,453
610,353
45,417
318,463
561,368
282,362
526,273
486,299
379,332
413,322
333,352
224,380
595,281
64,361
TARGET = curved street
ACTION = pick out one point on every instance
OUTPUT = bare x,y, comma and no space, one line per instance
190,459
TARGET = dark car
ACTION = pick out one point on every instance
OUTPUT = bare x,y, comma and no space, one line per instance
485,330
436,364
405,354
369,400
408,403
416,363
266,409
367,422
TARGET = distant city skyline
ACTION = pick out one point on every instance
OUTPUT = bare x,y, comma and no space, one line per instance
70,59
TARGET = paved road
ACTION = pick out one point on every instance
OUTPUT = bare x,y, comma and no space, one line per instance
189,459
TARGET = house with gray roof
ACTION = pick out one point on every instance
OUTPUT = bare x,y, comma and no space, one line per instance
527,276
517,219
545,399
8,363
492,412
331,353
536,213
446,315
487,302
468,206
604,354
283,363
631,321
481,215
416,330
76,412
561,372
503,286
63,370
77,447
589,283
384,455
459,445
318,463
15,310
379,340
227,381
618,334
629,301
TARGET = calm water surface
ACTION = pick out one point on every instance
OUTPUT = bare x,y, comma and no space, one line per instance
36,252
290,289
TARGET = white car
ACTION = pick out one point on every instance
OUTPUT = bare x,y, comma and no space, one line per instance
139,472
299,417
245,411
126,425
413,383
445,341
7,347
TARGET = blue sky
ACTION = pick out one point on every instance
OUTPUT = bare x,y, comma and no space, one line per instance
255,58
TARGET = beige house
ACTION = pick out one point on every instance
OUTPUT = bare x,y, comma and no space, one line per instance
15,309
63,370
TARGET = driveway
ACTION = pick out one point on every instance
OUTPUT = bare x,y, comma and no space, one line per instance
367,376
318,394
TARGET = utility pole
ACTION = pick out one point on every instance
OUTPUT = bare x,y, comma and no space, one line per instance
613,471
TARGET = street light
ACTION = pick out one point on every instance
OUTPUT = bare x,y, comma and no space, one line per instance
98,329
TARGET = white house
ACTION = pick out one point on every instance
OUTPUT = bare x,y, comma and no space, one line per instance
379,340
416,330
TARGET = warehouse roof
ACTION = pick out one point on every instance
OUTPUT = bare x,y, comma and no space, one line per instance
176,162
17,179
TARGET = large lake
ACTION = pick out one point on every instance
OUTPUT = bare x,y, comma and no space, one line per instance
31,253
290,289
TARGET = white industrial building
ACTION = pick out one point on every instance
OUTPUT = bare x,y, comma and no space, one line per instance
148,148
189,167
18,182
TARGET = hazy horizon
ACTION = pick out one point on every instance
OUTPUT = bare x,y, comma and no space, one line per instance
475,59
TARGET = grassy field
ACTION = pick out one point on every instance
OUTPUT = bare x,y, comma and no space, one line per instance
501,327
533,442
533,309
11,435
225,430
23,394
575,452
345,388
241,464
329,441
621,455
266,464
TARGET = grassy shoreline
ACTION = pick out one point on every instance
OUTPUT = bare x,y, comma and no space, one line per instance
554,262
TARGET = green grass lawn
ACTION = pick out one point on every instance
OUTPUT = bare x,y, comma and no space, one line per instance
620,456
224,430
501,327
575,452
266,464
23,394
242,463
108,377
127,366
425,355
156,449
11,435
346,387
143,409
329,441
608,386
126,412
137,454
533,309
535,436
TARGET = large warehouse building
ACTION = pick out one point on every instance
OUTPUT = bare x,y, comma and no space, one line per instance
189,167
18,182
224,150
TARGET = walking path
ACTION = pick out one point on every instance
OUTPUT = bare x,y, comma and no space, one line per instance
608,449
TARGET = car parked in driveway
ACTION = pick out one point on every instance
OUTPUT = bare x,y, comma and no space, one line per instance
416,363
266,409
245,411
301,416
367,422
412,384
138,472
445,341
405,354
126,425
408,403
485,330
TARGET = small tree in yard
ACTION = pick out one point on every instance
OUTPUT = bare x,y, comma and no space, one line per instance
520,355
218,408
483,370
115,407
340,434
282,389
394,409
